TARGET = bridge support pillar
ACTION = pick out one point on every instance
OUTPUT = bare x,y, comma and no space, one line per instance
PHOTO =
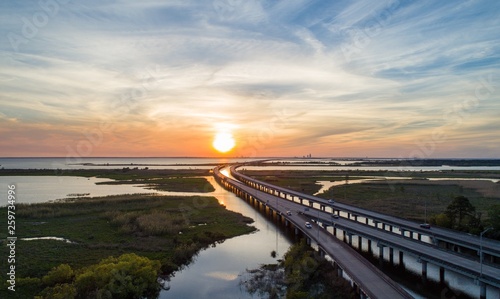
424,271
296,231
286,222
334,231
419,235
357,289
401,260
380,254
370,246
391,256
355,218
362,295
376,223
403,232
441,275
340,272
360,243
322,207
366,219
349,235
483,290
344,236
301,200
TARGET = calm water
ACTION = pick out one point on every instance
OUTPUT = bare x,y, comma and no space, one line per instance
200,163
216,271
113,163
36,189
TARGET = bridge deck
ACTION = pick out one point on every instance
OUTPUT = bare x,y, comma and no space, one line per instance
372,281
491,247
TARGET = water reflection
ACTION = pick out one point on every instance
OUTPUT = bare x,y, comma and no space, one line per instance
38,189
216,271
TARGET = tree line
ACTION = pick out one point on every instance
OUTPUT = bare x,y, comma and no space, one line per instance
461,215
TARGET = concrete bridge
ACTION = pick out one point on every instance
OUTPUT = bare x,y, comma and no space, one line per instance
389,233
445,238
368,280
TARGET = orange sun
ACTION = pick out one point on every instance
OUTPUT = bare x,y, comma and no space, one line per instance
223,142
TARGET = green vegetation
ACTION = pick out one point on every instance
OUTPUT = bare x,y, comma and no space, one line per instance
129,276
176,184
168,229
494,221
303,274
309,275
459,215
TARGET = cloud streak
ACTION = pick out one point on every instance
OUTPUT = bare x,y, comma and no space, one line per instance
358,78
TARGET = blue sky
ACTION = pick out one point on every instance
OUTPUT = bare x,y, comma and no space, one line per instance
285,78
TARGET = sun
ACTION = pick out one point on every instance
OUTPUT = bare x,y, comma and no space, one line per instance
223,142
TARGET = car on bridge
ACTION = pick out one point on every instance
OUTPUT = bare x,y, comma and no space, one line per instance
425,225
289,213
308,225
336,216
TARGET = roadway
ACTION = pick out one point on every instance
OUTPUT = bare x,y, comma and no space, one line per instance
491,247
371,280
422,251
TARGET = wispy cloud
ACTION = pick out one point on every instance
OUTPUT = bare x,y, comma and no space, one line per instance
355,76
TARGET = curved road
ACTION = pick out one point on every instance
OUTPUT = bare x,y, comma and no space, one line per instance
423,251
373,282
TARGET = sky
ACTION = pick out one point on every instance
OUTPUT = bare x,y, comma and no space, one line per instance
402,79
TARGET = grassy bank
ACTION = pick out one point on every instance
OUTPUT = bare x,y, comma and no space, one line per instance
164,228
184,180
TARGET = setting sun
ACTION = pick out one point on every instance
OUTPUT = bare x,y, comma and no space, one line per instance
223,142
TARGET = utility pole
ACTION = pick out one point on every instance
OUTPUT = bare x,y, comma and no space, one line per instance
345,186
481,250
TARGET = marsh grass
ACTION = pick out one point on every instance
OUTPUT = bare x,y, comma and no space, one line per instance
164,228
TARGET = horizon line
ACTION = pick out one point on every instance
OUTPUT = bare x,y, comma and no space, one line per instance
241,157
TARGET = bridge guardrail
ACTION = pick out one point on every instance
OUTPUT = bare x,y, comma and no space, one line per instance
492,250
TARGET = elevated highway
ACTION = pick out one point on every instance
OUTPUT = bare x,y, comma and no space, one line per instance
357,223
449,239
368,279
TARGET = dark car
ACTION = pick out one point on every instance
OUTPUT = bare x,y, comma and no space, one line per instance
425,225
